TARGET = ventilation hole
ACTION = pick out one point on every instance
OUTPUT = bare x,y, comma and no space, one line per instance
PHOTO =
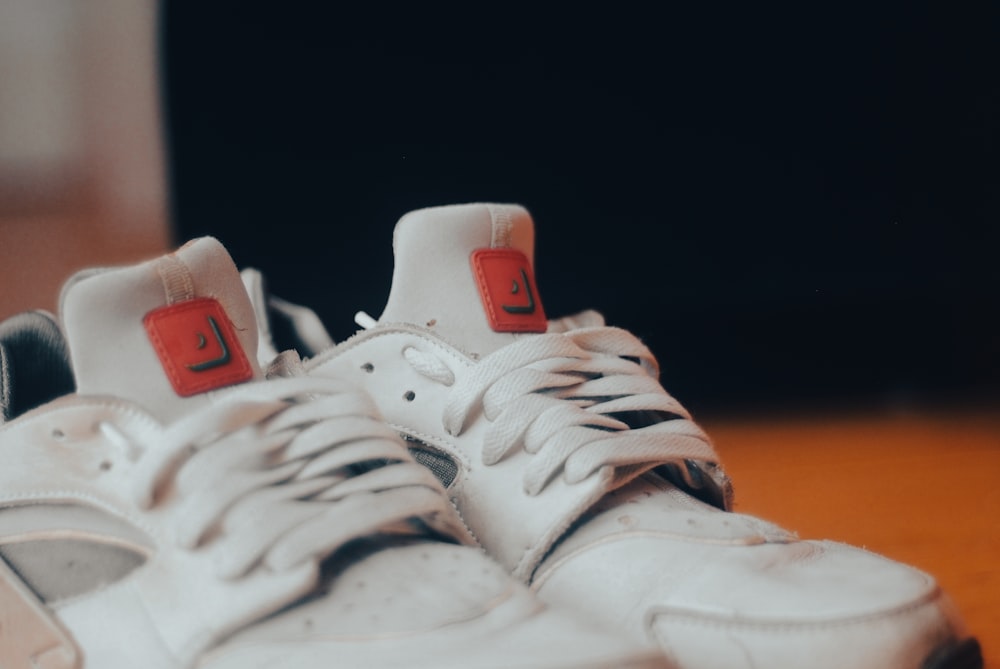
58,434
368,367
409,395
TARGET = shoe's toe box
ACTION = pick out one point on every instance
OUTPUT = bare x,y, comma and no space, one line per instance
761,605
435,606
718,589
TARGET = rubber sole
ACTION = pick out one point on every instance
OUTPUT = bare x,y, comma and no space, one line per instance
958,655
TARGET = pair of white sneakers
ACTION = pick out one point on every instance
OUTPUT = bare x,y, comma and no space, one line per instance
176,493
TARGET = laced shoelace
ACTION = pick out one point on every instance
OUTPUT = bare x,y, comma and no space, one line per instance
281,472
560,396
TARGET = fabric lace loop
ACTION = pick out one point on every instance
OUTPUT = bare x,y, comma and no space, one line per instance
566,398
468,391
283,472
429,365
527,411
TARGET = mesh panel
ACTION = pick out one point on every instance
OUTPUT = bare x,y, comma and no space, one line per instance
442,466
57,569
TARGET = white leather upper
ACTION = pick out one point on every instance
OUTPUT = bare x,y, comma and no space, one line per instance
523,529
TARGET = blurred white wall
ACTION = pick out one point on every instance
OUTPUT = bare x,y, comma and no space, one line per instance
82,174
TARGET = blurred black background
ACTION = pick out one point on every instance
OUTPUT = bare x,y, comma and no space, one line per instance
790,204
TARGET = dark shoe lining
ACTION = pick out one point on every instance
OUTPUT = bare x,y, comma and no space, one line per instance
34,362
958,655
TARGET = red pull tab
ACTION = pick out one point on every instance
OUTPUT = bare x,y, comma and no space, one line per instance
197,346
507,288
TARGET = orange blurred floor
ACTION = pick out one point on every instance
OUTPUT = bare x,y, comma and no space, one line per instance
920,487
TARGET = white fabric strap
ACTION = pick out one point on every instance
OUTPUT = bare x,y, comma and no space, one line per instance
177,283
502,225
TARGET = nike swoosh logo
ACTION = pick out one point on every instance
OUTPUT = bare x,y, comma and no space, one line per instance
222,359
528,308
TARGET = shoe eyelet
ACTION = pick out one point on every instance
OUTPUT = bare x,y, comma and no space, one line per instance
409,396
368,367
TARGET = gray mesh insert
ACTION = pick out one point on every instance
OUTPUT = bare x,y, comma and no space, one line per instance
57,569
440,464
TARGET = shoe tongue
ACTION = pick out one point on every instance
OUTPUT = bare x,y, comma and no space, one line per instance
467,273
162,333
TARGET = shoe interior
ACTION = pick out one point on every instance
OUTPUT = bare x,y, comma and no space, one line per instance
34,363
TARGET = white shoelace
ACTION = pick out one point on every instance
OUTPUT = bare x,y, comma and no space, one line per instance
554,396
281,472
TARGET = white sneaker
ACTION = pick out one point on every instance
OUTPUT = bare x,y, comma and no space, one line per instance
576,470
178,511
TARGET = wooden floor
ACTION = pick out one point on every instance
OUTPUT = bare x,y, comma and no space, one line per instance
920,487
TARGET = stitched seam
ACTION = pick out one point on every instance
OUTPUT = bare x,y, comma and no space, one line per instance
363,336
484,293
68,494
433,441
708,620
